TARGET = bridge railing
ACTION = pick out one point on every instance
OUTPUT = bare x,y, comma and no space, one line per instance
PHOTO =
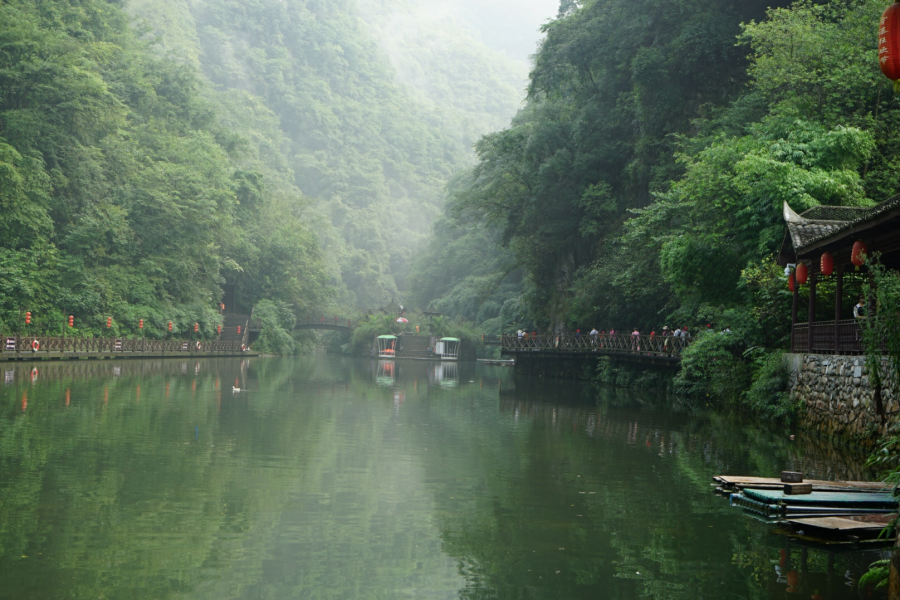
44,344
620,343
323,320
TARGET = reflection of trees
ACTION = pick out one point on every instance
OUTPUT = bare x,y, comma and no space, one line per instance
582,489
316,481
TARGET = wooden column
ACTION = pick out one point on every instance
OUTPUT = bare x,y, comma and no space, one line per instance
812,310
794,309
838,306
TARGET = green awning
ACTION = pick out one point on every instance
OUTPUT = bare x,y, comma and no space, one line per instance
387,337
449,339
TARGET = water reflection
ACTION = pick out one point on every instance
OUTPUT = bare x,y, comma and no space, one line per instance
332,478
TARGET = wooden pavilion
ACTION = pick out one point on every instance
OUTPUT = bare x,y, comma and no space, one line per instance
834,230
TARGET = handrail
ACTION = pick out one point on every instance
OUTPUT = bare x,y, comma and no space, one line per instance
323,320
844,337
619,343
45,344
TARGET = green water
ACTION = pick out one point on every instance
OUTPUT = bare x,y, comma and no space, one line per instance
328,478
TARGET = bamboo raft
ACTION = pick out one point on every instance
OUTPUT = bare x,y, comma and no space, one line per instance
740,483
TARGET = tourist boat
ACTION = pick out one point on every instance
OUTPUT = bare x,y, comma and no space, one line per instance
387,346
447,348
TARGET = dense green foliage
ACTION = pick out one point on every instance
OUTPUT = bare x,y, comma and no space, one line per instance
643,182
124,191
353,133
151,152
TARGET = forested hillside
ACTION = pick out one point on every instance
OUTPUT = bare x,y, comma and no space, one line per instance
642,184
152,151
371,141
123,193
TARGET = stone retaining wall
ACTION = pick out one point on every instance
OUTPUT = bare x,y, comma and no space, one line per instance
836,398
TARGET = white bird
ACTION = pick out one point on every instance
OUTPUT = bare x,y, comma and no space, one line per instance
235,389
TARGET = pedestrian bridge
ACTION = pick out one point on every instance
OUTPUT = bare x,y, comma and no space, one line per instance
653,349
329,323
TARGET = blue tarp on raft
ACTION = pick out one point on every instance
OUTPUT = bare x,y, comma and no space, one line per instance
858,499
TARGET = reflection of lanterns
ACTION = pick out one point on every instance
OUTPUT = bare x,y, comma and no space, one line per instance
859,253
791,285
783,558
793,578
802,273
826,264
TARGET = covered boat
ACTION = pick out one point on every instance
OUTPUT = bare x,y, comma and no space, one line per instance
387,346
448,348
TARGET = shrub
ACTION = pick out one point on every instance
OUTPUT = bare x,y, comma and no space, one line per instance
768,394
277,322
714,366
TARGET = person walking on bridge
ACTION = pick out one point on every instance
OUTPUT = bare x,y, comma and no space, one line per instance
593,335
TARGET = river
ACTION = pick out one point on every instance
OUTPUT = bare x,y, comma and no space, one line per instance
332,478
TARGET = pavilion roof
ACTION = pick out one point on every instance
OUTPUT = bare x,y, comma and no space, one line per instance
822,224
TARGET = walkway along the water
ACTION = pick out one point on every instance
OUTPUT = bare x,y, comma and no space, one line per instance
663,350
41,347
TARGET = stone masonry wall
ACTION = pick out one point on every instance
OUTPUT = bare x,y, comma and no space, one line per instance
836,399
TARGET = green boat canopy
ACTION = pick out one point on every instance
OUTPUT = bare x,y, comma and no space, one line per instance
387,337
449,339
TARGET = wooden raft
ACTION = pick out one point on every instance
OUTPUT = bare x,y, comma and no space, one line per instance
738,482
845,527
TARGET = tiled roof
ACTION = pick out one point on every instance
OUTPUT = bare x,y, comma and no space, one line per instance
835,213
821,222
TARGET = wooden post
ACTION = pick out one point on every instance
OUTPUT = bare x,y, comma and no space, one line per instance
838,306
812,311
794,311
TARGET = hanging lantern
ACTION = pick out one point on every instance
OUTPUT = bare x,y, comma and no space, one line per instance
859,253
802,273
826,264
71,321
108,322
28,318
196,327
791,284
170,325
889,44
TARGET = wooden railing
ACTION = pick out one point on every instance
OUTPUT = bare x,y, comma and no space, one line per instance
620,343
40,344
829,337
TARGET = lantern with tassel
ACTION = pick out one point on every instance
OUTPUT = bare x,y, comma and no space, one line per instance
889,44
826,264
859,253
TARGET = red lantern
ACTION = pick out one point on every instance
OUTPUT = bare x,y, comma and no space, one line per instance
239,330
802,273
858,255
141,324
826,264
108,322
28,318
889,44
170,325
793,578
196,327
71,321
791,285
218,329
